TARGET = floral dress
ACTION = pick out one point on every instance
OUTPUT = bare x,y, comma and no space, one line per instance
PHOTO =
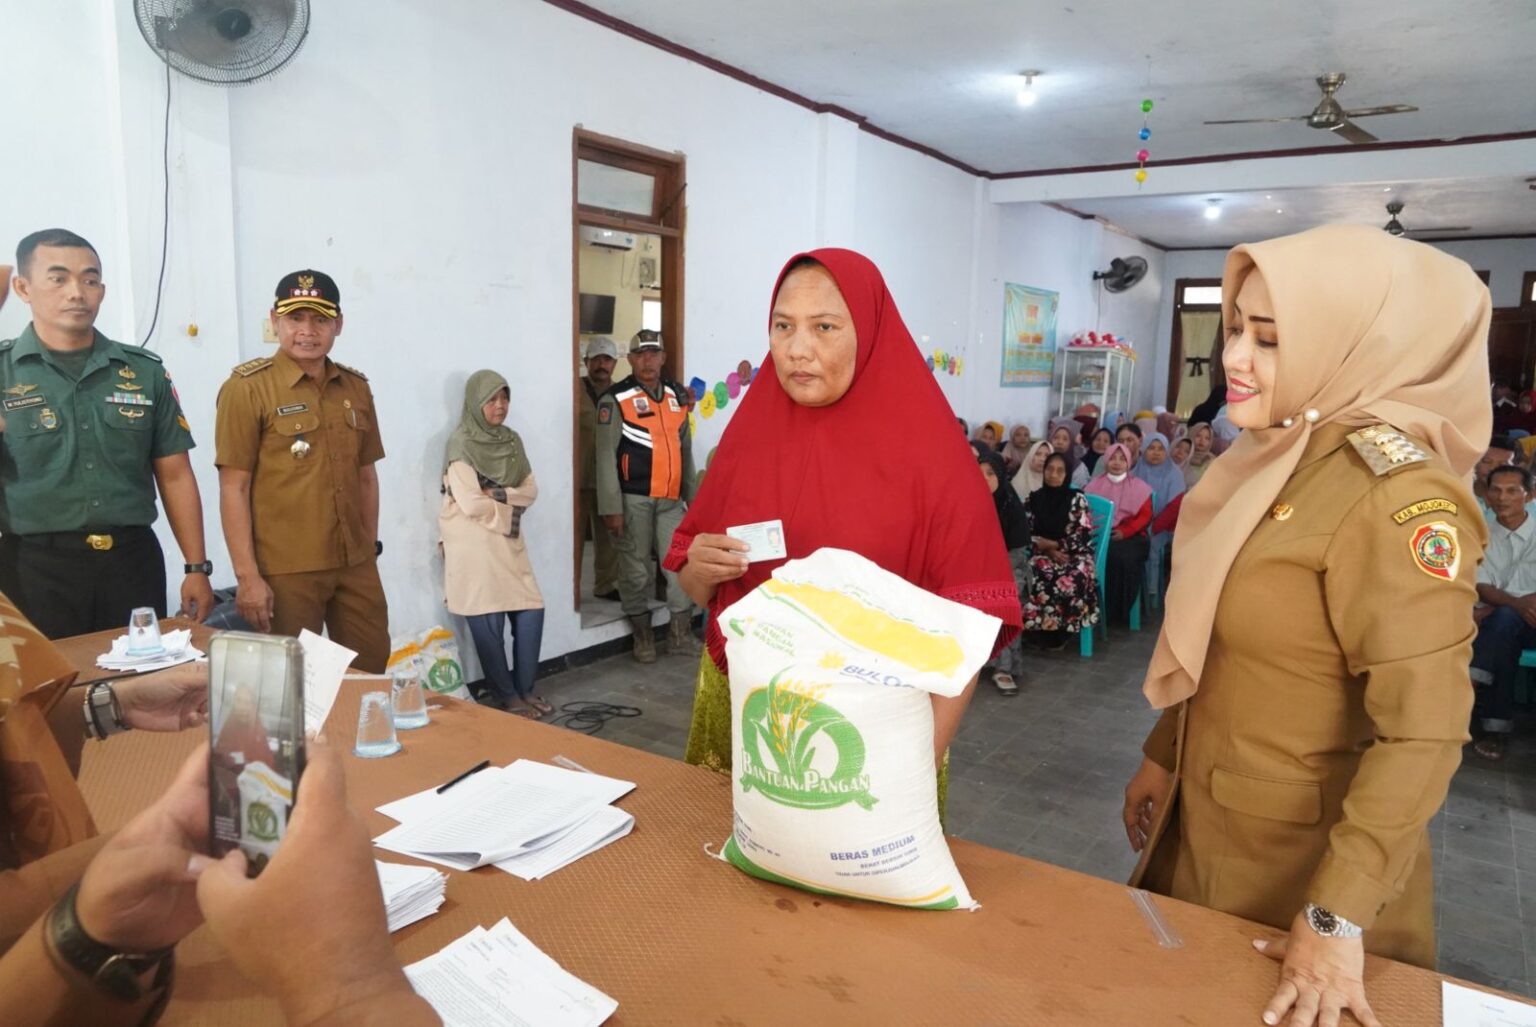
1063,596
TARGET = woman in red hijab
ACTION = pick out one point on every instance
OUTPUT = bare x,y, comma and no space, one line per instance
840,359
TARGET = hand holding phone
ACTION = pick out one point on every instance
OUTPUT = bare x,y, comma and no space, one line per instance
256,723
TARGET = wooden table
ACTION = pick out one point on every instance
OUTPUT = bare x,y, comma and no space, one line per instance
678,937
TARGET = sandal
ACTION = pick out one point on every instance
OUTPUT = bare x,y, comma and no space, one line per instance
538,703
1005,683
1490,748
526,712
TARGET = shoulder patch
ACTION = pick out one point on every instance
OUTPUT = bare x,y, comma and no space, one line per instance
1435,550
605,413
350,370
1423,507
1385,449
250,367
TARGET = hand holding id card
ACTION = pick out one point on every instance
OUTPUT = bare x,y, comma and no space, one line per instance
765,540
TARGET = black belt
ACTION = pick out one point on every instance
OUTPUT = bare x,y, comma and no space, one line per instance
100,541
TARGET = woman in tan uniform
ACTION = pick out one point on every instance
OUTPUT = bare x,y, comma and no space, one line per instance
1313,664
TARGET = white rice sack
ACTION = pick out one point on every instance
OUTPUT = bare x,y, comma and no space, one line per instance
265,799
832,664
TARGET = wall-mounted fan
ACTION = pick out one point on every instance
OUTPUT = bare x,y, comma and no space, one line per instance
1395,227
1123,273
225,42
1330,115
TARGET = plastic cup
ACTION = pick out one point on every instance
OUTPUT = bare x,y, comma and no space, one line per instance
144,632
410,700
376,727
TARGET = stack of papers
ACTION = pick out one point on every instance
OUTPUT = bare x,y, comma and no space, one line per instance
176,648
498,978
530,819
410,893
1465,1007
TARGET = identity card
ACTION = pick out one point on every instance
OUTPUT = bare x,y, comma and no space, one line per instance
766,539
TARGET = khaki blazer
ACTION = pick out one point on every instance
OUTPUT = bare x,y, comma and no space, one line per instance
1334,702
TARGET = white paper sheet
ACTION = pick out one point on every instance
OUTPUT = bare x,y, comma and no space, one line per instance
606,825
176,648
530,805
498,977
325,663
1465,1007
411,893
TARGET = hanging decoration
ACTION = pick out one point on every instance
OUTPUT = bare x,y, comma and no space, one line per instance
1143,154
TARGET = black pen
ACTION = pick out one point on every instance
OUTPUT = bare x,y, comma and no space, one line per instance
472,770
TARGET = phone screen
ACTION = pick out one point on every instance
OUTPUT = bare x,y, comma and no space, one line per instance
256,722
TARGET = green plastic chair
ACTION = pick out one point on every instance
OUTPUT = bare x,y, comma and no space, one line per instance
1103,512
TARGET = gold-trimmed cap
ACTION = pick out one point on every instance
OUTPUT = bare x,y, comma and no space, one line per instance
310,289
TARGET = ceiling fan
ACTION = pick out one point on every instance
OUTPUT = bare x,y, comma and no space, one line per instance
1395,227
1330,114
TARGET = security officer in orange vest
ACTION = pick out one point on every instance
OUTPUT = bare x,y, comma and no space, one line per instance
644,480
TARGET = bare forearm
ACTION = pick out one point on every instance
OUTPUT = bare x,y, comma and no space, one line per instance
31,983
235,514
947,713
370,488
700,592
1495,596
184,509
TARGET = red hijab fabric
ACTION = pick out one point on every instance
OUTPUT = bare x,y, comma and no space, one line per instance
923,513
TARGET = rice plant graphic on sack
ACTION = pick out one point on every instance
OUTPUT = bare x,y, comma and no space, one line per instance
833,662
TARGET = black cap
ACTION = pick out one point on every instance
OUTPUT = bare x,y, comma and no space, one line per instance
315,290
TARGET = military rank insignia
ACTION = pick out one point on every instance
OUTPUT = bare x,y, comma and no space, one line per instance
1435,551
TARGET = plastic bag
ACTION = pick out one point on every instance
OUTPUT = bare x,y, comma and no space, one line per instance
434,654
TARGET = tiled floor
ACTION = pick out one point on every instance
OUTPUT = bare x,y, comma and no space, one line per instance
1042,774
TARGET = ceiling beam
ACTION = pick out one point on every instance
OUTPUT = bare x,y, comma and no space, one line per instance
1514,158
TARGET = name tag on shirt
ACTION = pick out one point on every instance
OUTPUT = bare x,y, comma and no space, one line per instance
765,539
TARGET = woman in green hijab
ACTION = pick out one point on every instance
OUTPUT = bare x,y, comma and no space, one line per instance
487,578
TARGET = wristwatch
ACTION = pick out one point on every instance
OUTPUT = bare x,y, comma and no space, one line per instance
102,712
1330,925
119,974
206,567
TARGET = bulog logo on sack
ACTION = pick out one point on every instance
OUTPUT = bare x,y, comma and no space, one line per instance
444,676
261,822
783,727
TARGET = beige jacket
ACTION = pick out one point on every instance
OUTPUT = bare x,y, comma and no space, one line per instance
1333,705
484,570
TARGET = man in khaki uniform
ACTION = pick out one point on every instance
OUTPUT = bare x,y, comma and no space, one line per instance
602,356
1333,703
296,441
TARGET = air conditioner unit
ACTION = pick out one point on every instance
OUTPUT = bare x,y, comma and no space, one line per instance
606,238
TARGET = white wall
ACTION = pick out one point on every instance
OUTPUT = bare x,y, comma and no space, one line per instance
1040,246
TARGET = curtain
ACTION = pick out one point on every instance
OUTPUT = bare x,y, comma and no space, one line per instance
1198,330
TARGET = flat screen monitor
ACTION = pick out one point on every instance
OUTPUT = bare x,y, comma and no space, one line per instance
596,314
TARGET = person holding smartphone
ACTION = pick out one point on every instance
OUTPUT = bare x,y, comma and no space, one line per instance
311,929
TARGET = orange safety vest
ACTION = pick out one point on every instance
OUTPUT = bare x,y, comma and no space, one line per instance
650,438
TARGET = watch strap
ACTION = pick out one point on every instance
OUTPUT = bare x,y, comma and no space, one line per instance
206,567
103,714
1329,924
117,973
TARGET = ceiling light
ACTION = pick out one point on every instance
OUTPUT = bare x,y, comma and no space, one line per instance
1269,196
1279,211
1027,95
1212,210
1388,189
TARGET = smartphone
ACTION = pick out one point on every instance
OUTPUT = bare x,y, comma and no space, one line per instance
256,725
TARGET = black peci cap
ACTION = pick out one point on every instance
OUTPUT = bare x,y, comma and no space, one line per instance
315,290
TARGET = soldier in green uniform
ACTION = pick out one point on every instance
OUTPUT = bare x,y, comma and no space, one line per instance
296,443
91,429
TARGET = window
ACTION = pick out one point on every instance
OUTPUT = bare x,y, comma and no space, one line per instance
1200,294
650,315
618,189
